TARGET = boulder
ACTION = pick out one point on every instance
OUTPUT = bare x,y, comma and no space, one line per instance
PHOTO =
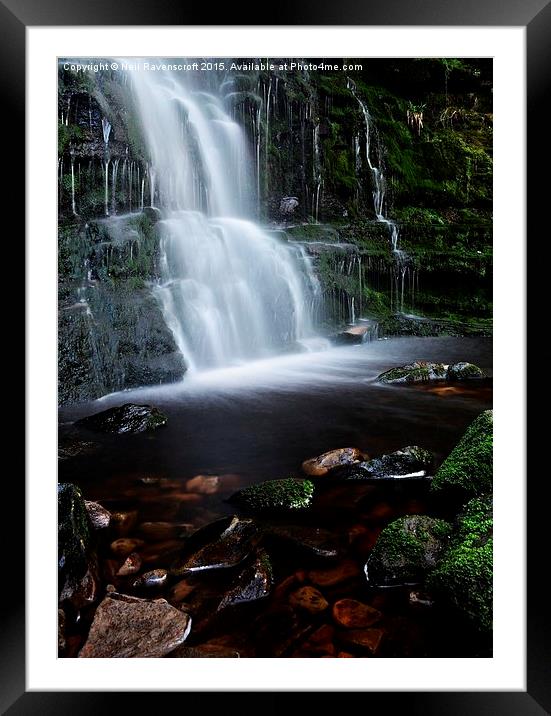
417,372
406,550
409,461
469,466
124,419
287,495
464,371
320,465
127,626
463,578
73,531
153,213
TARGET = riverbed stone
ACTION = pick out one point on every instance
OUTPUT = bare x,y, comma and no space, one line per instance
286,495
153,579
314,541
364,639
464,371
352,614
205,651
224,551
309,599
123,546
125,419
253,583
329,577
407,549
203,484
320,465
469,466
127,626
131,565
98,515
81,592
417,372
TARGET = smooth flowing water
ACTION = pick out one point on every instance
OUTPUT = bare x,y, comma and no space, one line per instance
230,292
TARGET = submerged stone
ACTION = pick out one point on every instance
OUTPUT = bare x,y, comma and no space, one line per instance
469,466
320,465
342,572
205,651
98,515
416,372
153,578
73,531
352,614
288,494
406,550
410,461
253,583
309,599
365,639
221,551
464,576
125,419
464,371
131,565
315,541
127,626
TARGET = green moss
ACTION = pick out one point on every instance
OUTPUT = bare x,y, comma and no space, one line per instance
469,466
418,372
463,578
286,494
407,548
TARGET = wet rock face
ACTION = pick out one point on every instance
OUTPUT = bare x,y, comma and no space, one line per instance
126,626
125,419
406,550
322,464
410,461
417,372
469,466
464,371
288,205
275,496
73,531
230,548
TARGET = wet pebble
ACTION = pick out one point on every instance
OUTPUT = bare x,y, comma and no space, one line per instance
154,578
351,614
309,599
99,516
203,484
131,565
123,522
124,546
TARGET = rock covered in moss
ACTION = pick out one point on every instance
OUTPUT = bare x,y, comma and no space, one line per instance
407,549
464,371
73,531
464,576
284,495
416,372
469,466
125,419
320,465
409,461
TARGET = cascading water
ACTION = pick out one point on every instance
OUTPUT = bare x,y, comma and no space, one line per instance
379,192
230,291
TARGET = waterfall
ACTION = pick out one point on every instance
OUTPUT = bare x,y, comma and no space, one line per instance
229,291
73,203
379,191
106,127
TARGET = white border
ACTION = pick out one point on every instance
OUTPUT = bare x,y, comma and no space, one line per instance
506,670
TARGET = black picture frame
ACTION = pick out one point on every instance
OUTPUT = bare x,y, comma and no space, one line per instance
535,16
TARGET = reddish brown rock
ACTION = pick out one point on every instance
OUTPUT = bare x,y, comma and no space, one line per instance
126,626
351,614
319,643
320,465
124,546
309,599
205,651
99,516
131,565
123,522
203,484
347,569
181,590
284,587
345,655
365,639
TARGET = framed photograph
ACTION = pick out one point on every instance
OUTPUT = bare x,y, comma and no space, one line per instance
270,294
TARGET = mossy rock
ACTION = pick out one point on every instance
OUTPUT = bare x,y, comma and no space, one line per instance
124,419
73,527
469,466
464,371
284,495
407,549
464,577
417,372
